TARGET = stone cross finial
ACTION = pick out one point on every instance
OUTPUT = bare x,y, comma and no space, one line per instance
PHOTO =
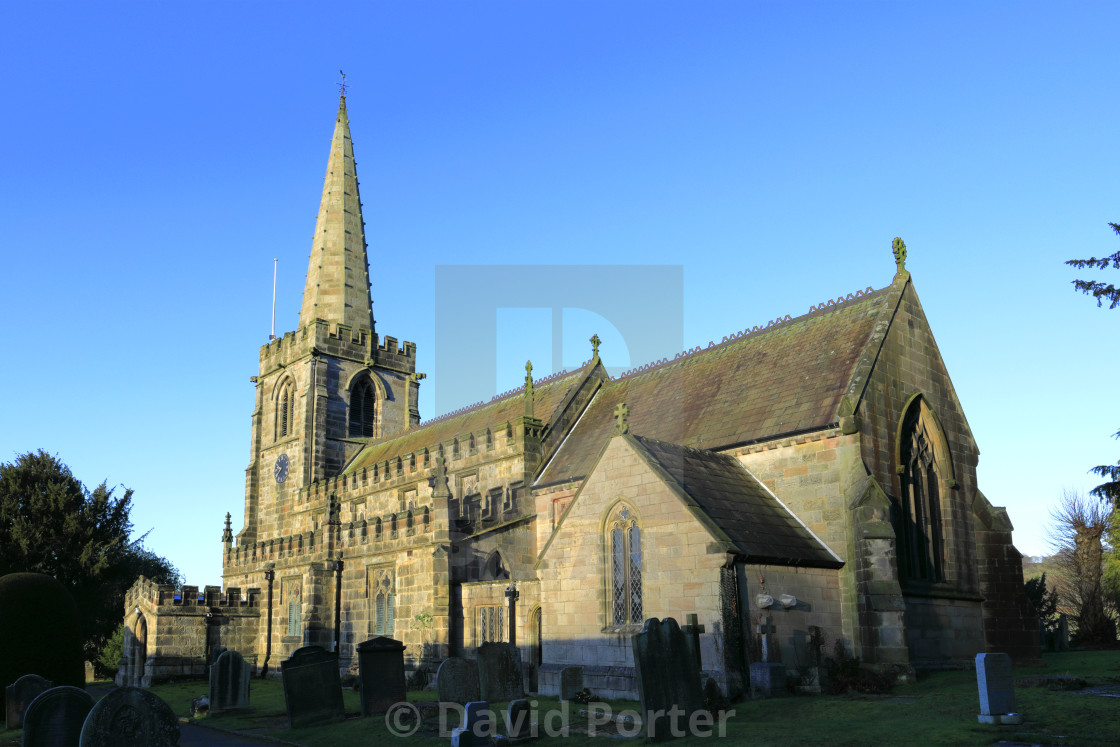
528,373
595,342
898,246
620,414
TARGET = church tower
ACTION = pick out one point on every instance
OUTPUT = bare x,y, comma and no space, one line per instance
327,388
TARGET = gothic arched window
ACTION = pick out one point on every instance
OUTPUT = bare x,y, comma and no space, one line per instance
363,409
921,471
285,409
381,601
624,566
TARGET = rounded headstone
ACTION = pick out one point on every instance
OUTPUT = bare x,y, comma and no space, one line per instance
39,631
55,717
130,717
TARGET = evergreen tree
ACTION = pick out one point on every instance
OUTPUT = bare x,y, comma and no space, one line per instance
50,523
1109,490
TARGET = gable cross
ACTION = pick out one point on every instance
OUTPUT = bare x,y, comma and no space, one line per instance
620,414
595,341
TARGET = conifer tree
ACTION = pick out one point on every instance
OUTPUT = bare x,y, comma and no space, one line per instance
1110,489
50,523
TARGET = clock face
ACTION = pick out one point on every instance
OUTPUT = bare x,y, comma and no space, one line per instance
280,470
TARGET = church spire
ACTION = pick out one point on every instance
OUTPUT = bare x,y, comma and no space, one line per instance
337,287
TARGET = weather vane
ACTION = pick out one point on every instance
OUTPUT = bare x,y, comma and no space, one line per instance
342,86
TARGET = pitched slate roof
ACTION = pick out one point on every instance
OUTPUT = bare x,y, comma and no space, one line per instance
785,379
720,489
548,395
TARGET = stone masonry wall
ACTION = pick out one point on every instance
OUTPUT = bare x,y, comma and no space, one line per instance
679,576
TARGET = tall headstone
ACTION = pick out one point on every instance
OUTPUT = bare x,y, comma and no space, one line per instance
381,671
457,681
571,682
312,687
130,717
499,672
996,684
229,682
55,717
668,678
19,694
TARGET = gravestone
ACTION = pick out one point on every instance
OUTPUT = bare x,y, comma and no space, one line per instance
571,682
218,651
477,728
997,689
312,687
229,683
1061,635
668,677
130,717
768,677
518,727
457,681
499,672
19,694
381,672
55,717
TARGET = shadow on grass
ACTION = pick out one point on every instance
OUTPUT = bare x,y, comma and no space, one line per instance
940,708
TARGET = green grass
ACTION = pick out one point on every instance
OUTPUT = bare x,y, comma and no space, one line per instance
940,708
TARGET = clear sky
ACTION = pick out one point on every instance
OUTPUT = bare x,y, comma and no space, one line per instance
156,157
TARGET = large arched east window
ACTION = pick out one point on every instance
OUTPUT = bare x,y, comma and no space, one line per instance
363,409
922,471
285,409
624,566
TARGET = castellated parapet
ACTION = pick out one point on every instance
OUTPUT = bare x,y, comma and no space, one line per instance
339,341
171,634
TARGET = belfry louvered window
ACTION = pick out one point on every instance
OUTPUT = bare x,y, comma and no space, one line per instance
624,547
363,410
285,410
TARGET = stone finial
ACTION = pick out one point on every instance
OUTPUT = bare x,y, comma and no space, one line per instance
529,389
595,342
227,533
439,489
898,247
621,412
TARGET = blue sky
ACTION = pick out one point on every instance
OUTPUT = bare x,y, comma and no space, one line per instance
158,156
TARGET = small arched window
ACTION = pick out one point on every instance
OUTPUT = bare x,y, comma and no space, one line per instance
624,566
363,409
285,409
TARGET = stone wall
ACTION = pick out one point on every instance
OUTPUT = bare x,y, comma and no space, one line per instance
679,575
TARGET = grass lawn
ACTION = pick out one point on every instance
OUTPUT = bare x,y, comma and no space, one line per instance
940,708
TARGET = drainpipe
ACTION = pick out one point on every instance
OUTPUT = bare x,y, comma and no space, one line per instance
269,576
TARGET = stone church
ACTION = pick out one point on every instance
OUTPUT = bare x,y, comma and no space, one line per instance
814,480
